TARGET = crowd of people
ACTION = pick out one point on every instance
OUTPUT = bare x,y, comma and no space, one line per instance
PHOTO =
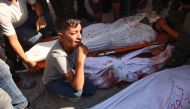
24,23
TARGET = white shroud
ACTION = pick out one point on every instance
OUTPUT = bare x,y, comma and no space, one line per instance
167,89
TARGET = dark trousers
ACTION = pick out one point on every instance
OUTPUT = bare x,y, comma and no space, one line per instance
63,8
63,88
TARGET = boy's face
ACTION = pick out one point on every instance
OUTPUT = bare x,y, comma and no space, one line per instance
73,36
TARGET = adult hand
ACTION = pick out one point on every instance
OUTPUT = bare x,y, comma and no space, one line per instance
32,66
41,23
161,22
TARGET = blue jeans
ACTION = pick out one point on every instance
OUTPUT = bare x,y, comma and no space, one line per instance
63,88
5,100
8,85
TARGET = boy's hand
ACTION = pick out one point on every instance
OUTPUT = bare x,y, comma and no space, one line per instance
82,53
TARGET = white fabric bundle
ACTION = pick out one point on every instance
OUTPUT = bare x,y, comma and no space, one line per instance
122,33
126,68
40,51
167,89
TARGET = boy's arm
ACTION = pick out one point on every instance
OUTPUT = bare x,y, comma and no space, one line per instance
77,78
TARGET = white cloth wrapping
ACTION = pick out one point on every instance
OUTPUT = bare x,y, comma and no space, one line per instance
102,70
167,89
40,51
122,33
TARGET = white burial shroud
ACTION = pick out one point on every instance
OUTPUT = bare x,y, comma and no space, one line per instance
122,33
167,89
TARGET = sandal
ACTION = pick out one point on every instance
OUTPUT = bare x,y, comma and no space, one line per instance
26,84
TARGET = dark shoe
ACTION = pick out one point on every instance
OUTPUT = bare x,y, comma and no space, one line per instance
87,16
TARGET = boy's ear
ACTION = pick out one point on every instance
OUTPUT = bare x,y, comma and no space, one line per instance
60,35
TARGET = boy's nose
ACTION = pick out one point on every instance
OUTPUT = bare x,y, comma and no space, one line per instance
79,36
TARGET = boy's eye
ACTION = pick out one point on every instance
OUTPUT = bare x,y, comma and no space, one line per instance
72,33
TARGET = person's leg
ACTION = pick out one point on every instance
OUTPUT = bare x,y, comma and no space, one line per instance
143,4
182,45
61,87
123,8
106,6
176,19
57,8
82,12
175,5
116,9
5,100
21,83
15,76
133,7
16,66
7,84
89,89
97,10
81,6
186,24
2,50
68,8
182,52
159,5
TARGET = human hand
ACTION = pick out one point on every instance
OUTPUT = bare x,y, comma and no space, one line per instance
161,22
41,23
31,66
82,52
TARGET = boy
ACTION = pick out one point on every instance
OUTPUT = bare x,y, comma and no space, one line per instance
64,71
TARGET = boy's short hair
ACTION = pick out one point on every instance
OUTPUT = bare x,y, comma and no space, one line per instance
63,24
